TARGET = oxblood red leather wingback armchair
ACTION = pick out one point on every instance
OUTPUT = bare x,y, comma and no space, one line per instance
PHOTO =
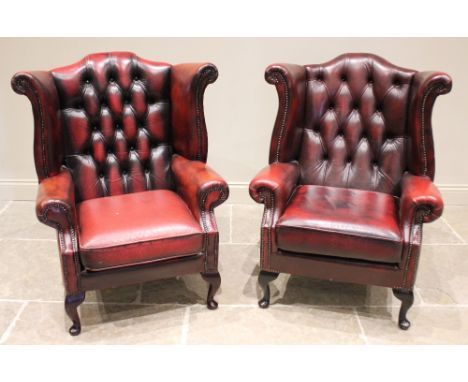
120,147
350,177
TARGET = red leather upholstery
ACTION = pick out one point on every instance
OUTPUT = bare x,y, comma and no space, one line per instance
276,182
202,189
120,146
115,121
114,124
341,222
55,206
351,169
355,124
136,228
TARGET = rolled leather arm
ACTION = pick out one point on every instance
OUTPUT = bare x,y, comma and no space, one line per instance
55,203
200,186
279,179
419,194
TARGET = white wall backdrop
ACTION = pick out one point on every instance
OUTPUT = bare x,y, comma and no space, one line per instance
240,106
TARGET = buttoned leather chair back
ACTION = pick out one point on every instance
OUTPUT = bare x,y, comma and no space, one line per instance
115,123
352,128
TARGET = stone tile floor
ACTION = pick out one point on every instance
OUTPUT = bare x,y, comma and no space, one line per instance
303,310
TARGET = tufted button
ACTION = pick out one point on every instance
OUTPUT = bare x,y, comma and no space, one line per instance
111,80
375,163
343,78
95,128
147,171
136,78
378,109
370,81
87,81
355,105
132,148
325,157
320,78
124,172
101,175
349,159
109,151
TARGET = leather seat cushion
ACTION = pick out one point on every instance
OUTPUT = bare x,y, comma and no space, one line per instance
339,222
136,228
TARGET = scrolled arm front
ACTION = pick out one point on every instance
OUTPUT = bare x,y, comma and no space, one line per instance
200,186
55,203
203,190
274,184
55,206
419,194
188,84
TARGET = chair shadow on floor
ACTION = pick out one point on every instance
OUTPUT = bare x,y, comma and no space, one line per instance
289,290
151,298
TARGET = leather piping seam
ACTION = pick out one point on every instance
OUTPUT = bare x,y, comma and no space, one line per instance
203,211
336,232
417,223
267,197
44,217
24,84
423,122
203,83
142,242
277,78
145,262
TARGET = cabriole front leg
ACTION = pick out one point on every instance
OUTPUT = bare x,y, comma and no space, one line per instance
214,282
72,302
264,279
407,298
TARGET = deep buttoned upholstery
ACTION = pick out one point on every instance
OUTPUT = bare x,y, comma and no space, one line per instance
355,124
120,149
115,112
349,182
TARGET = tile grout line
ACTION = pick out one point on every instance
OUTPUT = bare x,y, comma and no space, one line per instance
453,230
13,322
185,326
227,243
253,305
24,239
420,297
5,207
230,225
361,328
444,244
